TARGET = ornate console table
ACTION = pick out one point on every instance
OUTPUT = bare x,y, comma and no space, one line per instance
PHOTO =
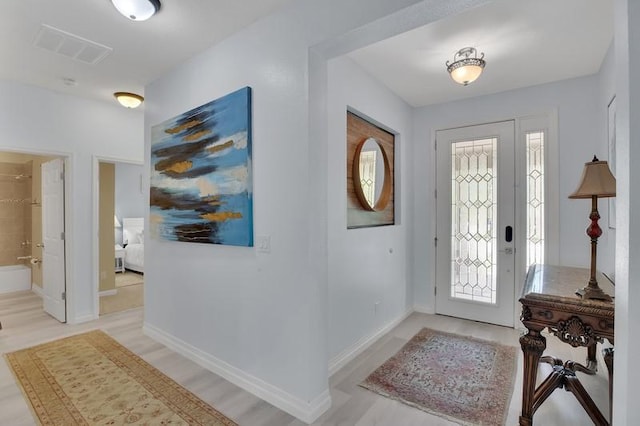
549,301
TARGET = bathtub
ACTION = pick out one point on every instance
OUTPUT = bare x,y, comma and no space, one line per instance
15,278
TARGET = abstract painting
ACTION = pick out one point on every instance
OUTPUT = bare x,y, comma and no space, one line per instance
201,187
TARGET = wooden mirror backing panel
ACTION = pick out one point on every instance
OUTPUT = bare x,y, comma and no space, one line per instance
359,214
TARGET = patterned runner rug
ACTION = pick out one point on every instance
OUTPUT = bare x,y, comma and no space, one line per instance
463,379
91,379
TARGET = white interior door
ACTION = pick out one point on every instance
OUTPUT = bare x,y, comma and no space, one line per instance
475,276
53,260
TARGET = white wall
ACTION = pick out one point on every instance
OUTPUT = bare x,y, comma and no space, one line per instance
579,130
366,265
248,314
627,57
131,199
260,320
41,121
607,89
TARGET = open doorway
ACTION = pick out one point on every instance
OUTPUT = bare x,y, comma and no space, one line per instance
121,207
32,223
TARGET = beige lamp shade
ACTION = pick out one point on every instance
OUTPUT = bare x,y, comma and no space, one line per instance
596,180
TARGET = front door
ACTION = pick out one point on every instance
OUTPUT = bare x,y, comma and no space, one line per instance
53,257
475,266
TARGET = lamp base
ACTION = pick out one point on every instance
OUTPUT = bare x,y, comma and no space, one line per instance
593,293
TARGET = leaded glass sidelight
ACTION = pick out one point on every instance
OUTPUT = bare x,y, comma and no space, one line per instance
473,211
535,197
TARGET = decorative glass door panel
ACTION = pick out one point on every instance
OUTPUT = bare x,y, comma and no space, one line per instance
475,218
473,209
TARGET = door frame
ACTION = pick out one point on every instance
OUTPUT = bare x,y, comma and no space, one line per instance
95,217
68,159
538,120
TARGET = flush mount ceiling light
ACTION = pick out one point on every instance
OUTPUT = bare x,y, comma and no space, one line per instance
128,100
137,10
466,68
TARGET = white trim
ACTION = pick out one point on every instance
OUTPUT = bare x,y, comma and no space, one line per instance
350,353
37,290
424,309
111,292
84,318
547,123
69,237
307,411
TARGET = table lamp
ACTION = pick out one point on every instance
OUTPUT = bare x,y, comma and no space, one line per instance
597,181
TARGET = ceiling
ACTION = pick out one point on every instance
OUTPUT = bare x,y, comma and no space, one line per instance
525,43
141,51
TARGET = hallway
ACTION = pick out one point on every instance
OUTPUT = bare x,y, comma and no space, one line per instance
25,324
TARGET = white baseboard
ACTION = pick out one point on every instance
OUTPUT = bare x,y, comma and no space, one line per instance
37,290
82,318
112,292
307,411
11,287
424,309
340,360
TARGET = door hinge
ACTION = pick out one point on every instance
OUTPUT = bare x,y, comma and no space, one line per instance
435,291
435,145
435,193
435,241
63,296
62,175
62,236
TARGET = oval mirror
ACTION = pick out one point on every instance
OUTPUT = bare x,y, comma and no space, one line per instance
371,175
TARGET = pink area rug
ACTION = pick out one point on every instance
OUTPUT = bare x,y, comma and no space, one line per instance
463,379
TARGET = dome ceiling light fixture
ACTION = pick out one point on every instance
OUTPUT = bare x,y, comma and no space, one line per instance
137,10
129,100
466,68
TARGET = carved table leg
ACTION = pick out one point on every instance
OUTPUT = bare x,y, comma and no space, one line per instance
607,353
533,345
552,382
592,363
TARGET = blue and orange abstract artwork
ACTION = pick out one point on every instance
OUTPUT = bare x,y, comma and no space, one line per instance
201,187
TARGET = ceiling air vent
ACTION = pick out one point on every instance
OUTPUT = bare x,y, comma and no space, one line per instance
70,45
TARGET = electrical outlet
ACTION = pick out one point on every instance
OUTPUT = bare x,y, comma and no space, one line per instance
376,307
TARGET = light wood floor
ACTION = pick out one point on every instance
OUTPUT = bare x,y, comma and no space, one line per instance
25,324
129,293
